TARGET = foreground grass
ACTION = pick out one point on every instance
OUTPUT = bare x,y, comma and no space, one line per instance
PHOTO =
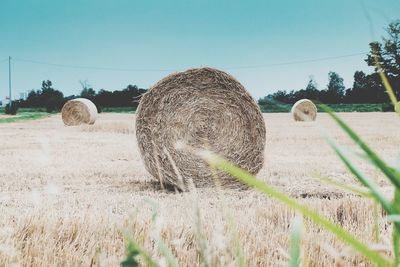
24,116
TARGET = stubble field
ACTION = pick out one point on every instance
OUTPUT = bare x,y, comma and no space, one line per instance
70,196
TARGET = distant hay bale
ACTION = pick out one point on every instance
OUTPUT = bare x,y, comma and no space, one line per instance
203,108
79,111
304,110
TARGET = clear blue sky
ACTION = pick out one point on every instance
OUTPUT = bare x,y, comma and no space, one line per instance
181,34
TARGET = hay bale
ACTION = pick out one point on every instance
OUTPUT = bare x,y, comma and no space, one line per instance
79,111
203,108
304,110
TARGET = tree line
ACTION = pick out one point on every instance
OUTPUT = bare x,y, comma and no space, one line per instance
367,88
53,99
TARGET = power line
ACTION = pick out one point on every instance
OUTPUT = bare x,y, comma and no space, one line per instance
296,62
170,70
86,67
4,60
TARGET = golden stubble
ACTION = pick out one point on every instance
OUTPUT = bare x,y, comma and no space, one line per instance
69,195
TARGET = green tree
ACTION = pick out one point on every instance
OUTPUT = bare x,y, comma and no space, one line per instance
361,87
87,91
360,80
51,98
311,91
387,53
335,88
312,84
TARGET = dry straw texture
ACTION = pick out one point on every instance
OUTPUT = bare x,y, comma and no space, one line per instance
79,111
203,108
80,213
304,110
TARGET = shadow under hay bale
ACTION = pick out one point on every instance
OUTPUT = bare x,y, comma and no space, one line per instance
79,111
202,108
304,110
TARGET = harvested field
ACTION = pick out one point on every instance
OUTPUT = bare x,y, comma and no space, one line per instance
69,195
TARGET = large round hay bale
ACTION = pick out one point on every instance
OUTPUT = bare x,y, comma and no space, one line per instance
203,108
304,110
79,111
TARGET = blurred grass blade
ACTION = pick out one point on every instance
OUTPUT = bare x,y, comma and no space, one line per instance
391,173
364,180
134,251
389,90
376,221
162,247
366,158
396,200
167,253
396,240
240,257
247,178
295,241
238,249
394,218
396,234
386,83
353,189
131,257
363,192
201,239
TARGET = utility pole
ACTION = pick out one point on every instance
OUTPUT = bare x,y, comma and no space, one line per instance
9,80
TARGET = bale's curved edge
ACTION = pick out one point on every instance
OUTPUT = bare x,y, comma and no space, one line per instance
203,108
304,110
79,111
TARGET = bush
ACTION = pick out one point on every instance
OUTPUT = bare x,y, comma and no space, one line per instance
51,107
54,104
96,103
99,109
11,110
387,107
